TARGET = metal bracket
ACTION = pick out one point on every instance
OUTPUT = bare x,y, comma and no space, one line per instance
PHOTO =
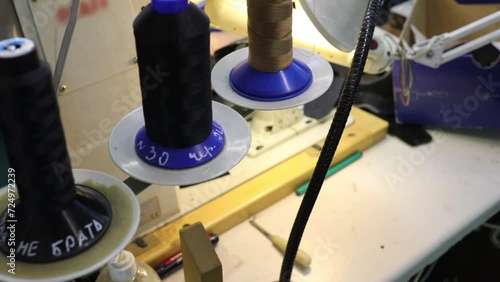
433,53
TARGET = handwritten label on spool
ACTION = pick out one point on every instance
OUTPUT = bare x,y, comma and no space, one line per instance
66,245
180,158
201,154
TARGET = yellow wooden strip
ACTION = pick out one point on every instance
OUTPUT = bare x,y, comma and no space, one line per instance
260,192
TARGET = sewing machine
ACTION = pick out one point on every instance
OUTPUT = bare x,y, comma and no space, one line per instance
100,85
101,68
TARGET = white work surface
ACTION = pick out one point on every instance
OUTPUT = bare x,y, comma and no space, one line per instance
382,218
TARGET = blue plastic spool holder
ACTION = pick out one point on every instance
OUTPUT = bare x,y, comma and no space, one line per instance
169,6
5,44
180,158
270,86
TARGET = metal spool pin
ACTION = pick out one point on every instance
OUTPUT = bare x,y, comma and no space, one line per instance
235,79
56,219
143,156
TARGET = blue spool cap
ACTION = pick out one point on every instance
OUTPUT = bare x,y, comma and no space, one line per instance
270,86
169,6
6,43
17,56
14,47
180,158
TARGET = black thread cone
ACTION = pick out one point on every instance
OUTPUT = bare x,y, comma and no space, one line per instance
50,218
173,53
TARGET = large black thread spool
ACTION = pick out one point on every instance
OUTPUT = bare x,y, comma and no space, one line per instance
173,53
53,217
173,50
180,136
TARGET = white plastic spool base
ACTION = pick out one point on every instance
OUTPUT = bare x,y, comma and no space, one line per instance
322,79
122,149
124,223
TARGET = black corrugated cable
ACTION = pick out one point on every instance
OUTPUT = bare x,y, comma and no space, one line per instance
347,98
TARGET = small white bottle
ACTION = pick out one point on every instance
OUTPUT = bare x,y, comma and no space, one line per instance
124,268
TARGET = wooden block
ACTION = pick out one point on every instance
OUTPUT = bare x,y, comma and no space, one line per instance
199,259
244,201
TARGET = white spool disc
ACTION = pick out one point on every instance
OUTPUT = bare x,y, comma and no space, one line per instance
124,223
237,142
321,71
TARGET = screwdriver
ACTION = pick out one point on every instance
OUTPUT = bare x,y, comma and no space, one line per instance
303,260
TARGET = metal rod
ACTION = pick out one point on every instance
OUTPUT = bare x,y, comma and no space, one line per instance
469,46
473,27
262,230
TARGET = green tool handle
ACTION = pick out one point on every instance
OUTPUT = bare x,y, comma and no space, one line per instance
302,189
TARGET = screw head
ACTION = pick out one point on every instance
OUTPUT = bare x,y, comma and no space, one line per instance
135,60
62,88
